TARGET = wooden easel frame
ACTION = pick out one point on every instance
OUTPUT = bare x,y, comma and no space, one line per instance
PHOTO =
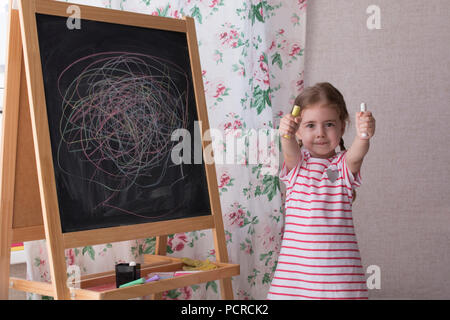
27,175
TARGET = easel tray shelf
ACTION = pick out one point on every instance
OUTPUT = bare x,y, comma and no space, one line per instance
164,264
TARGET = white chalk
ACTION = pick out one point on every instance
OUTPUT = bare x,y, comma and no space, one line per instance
363,107
132,264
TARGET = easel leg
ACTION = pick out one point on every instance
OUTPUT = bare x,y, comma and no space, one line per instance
220,246
160,249
9,147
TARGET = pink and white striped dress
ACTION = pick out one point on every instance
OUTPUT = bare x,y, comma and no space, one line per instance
319,257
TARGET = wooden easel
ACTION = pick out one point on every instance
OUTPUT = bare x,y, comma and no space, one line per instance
29,206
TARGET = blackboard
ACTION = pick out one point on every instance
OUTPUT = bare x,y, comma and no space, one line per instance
114,94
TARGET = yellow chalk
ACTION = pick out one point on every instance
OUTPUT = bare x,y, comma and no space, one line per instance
191,264
295,112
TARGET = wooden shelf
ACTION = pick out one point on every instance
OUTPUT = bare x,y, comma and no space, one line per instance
90,284
153,263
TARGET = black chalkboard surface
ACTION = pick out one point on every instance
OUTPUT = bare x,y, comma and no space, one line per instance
114,95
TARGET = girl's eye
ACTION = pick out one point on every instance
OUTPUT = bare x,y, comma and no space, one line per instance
330,124
309,125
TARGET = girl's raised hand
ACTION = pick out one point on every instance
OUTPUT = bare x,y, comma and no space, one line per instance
289,125
365,123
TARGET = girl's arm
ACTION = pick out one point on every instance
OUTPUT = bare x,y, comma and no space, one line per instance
291,152
365,123
355,155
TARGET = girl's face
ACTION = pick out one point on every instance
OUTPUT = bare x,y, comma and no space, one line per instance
320,130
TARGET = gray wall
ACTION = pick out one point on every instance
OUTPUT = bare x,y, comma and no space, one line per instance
402,72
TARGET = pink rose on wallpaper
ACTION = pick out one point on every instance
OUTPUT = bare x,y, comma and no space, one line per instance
213,3
237,124
290,48
70,257
227,125
267,238
224,180
272,45
237,217
212,253
241,71
229,38
261,74
243,295
175,14
220,90
295,50
297,85
177,242
302,4
248,248
185,294
295,19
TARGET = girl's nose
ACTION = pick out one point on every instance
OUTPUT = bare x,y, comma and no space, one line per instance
320,132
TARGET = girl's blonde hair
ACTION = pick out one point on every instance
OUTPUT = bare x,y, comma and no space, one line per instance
324,92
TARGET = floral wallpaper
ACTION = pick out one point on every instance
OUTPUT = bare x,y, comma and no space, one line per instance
252,57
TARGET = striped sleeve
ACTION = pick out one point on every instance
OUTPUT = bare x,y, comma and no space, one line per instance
351,180
289,177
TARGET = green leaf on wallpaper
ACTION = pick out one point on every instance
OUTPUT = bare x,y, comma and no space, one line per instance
148,247
173,294
257,169
212,284
195,13
195,287
90,251
267,97
258,191
258,100
266,278
271,186
266,256
37,262
228,237
255,13
163,12
276,58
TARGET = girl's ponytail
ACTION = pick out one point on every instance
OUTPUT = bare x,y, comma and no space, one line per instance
341,145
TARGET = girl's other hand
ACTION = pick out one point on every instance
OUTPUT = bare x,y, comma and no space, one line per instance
365,123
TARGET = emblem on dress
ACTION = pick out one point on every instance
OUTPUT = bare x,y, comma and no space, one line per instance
332,174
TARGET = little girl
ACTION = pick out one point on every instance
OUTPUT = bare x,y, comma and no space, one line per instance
319,256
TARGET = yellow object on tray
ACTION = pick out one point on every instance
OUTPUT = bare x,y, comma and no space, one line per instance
191,264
